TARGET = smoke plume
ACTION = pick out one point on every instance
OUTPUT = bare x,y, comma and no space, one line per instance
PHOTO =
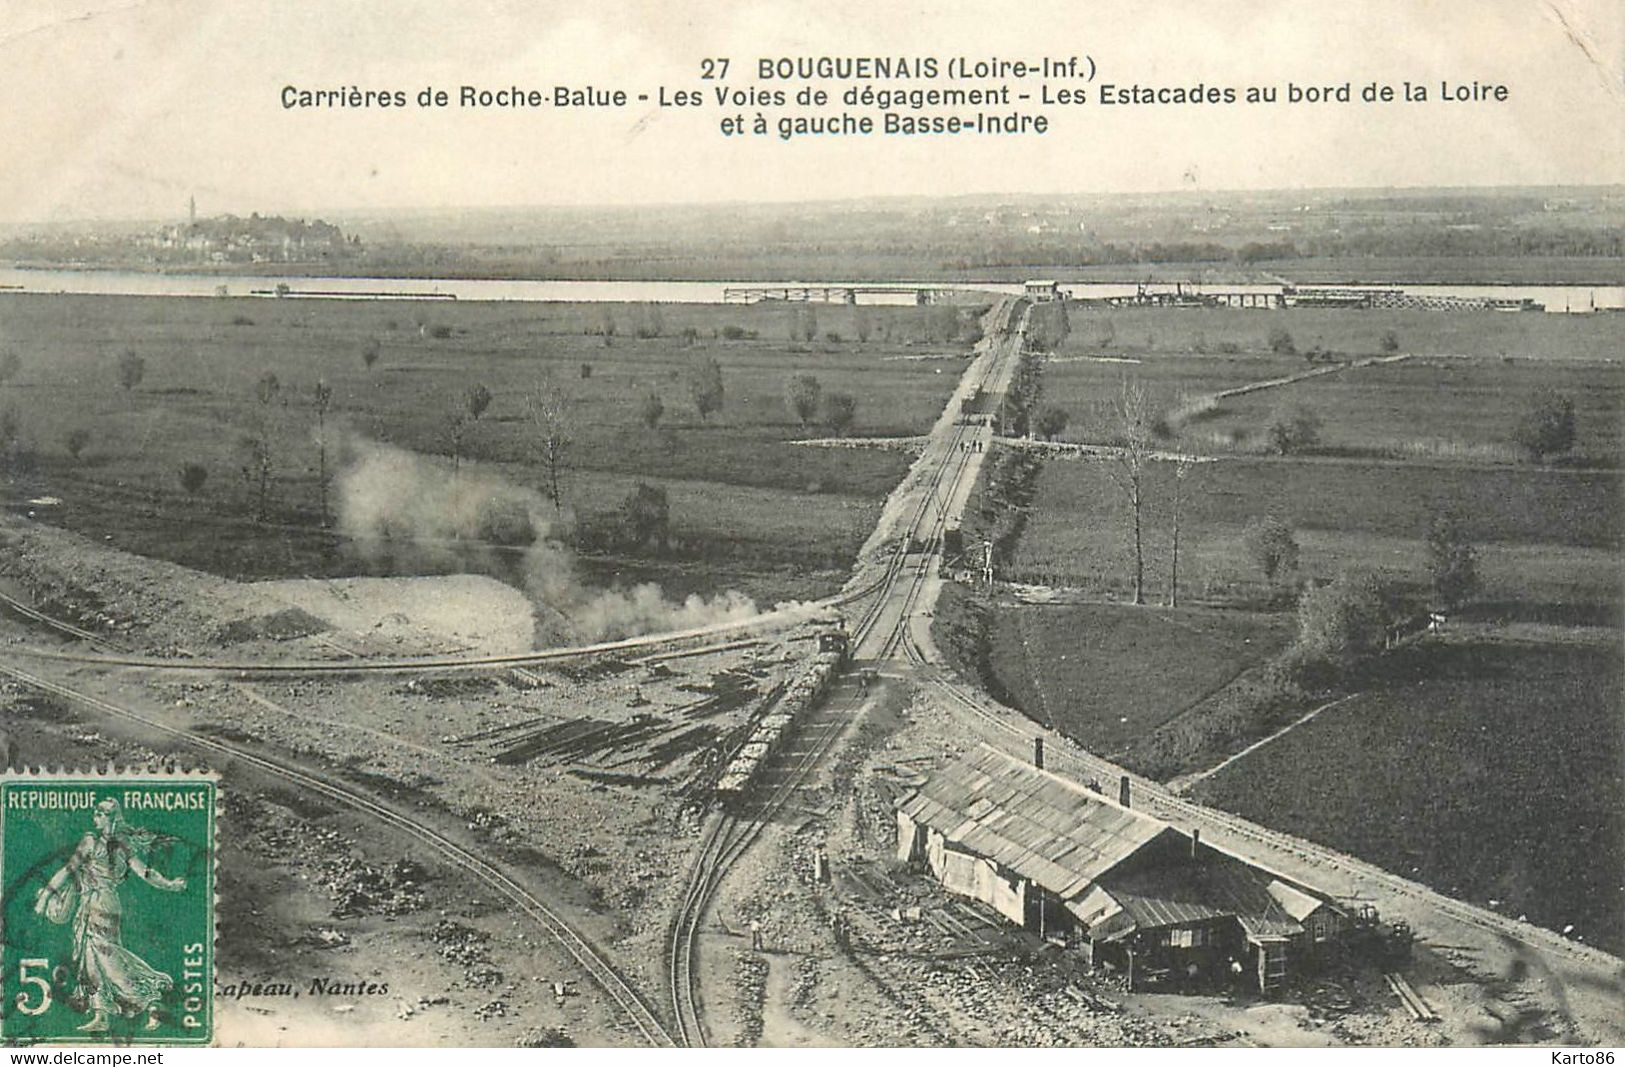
407,514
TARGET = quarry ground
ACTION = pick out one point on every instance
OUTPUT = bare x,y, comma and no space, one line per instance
313,891
574,778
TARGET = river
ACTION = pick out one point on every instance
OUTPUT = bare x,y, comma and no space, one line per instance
1556,298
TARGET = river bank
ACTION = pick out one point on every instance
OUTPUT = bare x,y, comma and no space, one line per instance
265,282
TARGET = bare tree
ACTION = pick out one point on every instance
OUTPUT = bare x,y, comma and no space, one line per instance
705,385
650,321
1272,545
192,476
322,400
1452,560
1132,420
652,409
550,406
1050,421
840,411
465,411
1547,429
1182,468
260,472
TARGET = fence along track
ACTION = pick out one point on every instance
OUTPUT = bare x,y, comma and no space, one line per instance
579,949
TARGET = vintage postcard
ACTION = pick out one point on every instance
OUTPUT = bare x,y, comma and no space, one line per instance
755,524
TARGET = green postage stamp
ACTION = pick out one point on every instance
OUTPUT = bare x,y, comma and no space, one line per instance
107,904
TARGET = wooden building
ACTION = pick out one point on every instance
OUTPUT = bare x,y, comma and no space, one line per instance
1124,888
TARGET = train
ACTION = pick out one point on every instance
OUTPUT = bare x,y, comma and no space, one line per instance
770,732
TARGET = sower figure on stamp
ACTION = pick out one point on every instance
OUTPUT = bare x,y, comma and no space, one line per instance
108,977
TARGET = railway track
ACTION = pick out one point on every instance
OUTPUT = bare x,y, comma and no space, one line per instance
1409,998
930,517
651,643
728,834
643,1021
726,837
31,614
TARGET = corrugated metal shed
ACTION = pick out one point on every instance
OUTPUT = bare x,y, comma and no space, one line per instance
1057,834
1073,842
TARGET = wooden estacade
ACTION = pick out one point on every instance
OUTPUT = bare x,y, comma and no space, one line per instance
827,294
1316,297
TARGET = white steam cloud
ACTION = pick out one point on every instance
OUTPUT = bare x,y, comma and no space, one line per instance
407,513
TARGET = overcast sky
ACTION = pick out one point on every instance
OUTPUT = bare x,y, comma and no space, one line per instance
124,109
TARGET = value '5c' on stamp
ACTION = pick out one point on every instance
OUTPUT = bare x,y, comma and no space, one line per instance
107,900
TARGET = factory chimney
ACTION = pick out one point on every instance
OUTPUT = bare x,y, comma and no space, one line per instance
1038,752
1196,842
1122,791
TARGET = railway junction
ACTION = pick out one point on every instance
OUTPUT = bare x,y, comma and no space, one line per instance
738,915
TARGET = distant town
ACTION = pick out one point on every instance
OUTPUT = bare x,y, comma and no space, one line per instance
222,239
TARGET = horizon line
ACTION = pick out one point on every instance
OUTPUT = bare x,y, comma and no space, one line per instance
733,204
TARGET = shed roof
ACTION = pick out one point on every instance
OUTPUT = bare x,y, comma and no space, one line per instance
1215,888
1056,833
1295,902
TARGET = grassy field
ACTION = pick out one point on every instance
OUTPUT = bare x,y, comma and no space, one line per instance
1138,331
1106,674
1443,408
1490,771
1459,395
1396,442
743,499
1548,541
